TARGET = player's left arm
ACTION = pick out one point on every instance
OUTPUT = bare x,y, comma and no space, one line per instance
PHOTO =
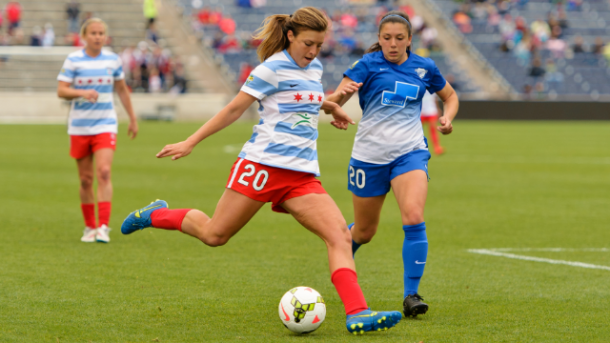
451,104
121,88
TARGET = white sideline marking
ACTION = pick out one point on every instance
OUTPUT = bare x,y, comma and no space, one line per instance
554,249
494,252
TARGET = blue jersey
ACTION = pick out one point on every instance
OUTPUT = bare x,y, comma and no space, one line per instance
391,99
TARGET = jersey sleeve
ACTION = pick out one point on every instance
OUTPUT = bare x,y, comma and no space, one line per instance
67,72
118,73
437,82
261,83
357,71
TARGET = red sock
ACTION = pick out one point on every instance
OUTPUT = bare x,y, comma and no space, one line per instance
103,212
346,283
434,134
89,214
167,219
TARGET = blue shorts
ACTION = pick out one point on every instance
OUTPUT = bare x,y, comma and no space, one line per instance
371,180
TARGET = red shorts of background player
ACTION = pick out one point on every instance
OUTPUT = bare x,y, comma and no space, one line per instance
83,146
270,184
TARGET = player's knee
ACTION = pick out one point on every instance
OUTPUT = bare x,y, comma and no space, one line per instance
103,173
215,241
86,181
339,235
367,235
413,216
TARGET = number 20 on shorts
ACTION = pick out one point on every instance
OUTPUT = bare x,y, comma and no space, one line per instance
257,184
358,176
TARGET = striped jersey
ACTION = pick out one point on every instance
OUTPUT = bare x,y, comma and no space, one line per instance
98,73
289,103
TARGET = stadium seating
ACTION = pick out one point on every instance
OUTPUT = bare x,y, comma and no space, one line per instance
249,19
582,74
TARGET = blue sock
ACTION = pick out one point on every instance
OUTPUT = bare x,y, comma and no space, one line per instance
414,254
355,245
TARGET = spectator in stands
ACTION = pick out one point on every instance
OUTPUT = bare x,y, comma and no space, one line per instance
563,19
151,33
541,30
258,3
358,50
493,18
349,20
13,15
462,20
574,5
244,3
150,11
556,45
215,16
553,77
503,7
227,25
598,46
87,16
48,39
229,45
507,28
536,70
180,83
523,50
72,13
154,81
1,19
204,15
578,46
36,38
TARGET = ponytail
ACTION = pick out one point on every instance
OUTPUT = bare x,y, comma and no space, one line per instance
391,17
274,30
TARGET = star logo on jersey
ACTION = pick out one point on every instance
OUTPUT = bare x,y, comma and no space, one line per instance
320,98
298,97
89,81
311,97
80,82
100,80
304,118
402,92
421,72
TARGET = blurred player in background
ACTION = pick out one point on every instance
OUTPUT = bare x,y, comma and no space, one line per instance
279,164
390,150
429,114
92,124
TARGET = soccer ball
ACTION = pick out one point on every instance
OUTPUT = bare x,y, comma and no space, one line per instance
302,310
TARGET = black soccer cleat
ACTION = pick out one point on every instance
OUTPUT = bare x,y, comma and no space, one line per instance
413,305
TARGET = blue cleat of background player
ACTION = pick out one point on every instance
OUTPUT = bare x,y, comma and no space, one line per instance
140,219
368,320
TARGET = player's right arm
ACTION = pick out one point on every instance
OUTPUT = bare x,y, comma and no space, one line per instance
344,91
65,92
222,119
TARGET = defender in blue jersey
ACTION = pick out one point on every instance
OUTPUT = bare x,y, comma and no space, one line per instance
390,150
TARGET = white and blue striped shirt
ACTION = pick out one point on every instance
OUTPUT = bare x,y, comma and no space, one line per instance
290,98
98,73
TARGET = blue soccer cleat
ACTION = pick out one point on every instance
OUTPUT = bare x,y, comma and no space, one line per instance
140,219
368,320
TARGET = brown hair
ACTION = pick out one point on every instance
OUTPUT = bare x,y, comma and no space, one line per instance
274,30
391,17
83,29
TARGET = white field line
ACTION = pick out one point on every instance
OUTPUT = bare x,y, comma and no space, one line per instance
554,249
537,259
522,160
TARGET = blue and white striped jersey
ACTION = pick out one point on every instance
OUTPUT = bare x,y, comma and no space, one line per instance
99,73
290,98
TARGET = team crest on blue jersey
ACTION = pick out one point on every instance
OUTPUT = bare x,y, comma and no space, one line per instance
421,72
250,79
402,92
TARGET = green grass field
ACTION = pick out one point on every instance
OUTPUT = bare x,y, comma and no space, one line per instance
500,185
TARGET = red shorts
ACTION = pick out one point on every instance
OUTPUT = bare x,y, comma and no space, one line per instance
271,184
429,119
83,146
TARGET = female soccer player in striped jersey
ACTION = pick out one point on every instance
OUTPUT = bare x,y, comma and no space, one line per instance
390,150
92,124
280,162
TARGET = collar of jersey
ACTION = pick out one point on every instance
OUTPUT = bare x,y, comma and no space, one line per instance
92,58
394,65
293,62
